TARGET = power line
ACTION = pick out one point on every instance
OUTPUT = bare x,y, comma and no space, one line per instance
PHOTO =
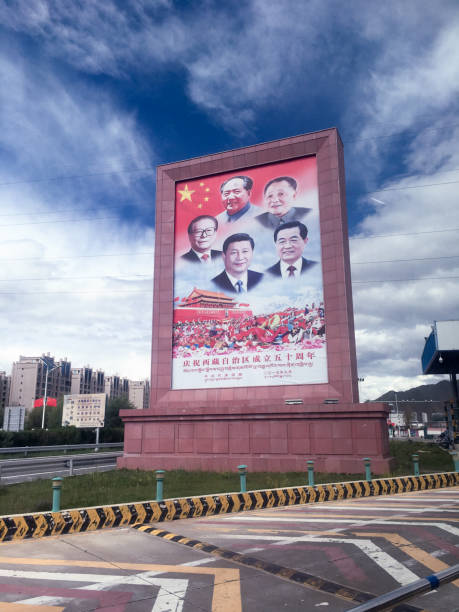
59,210
53,212
400,133
452,229
355,263
151,168
76,256
54,278
409,187
149,276
118,291
108,291
61,221
403,280
78,176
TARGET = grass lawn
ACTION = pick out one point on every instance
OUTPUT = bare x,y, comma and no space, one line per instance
124,486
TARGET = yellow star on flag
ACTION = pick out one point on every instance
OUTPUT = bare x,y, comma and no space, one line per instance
185,193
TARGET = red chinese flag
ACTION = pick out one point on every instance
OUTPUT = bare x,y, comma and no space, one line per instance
38,403
51,401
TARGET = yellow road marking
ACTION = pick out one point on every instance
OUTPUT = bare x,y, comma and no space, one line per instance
17,607
227,590
286,530
411,550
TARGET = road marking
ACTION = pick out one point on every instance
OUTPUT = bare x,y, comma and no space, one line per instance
434,564
169,598
101,579
367,520
19,607
294,517
391,566
419,499
286,573
165,601
226,595
387,508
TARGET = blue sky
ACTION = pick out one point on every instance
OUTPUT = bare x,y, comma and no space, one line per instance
94,96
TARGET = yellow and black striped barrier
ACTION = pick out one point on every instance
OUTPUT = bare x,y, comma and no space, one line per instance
41,524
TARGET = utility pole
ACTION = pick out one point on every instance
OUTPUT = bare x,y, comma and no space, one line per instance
48,370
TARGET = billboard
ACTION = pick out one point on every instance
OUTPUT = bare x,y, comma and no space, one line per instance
84,410
248,286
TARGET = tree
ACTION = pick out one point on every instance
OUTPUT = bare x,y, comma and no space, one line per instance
53,416
112,410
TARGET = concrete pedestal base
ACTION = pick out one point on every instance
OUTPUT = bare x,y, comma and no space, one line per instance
337,437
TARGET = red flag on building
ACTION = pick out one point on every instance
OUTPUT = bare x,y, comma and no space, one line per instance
38,403
51,401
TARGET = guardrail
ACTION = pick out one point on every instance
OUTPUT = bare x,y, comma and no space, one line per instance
12,450
388,600
11,469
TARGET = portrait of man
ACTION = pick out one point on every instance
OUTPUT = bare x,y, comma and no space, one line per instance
202,232
290,240
237,256
235,193
279,197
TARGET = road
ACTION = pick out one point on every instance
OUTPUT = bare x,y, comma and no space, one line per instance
324,556
23,470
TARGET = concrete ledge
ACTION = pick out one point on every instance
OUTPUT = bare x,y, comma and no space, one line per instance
41,524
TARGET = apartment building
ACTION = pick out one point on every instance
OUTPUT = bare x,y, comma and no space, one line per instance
86,380
139,393
115,386
28,379
5,382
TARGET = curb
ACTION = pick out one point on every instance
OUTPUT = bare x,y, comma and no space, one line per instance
42,524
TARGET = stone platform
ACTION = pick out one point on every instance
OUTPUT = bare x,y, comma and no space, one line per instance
337,437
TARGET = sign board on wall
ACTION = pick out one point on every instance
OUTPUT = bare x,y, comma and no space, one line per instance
252,312
84,410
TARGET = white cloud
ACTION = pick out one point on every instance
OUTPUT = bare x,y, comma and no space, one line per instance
60,129
392,318
381,68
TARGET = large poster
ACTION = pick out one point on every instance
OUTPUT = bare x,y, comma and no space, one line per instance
248,290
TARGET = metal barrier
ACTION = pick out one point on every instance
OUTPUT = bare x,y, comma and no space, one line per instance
383,602
12,450
10,469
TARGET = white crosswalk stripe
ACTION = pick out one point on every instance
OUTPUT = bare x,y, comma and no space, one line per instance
394,568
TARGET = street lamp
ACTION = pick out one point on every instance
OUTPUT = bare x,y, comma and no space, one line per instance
48,370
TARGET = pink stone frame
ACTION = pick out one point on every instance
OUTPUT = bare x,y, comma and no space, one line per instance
342,370
207,428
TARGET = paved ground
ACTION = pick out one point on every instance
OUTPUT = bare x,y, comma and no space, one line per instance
324,556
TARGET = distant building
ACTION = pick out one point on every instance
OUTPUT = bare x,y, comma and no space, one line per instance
13,418
28,379
86,380
116,387
139,393
5,382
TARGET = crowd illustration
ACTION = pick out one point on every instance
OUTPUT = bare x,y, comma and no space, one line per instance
301,327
